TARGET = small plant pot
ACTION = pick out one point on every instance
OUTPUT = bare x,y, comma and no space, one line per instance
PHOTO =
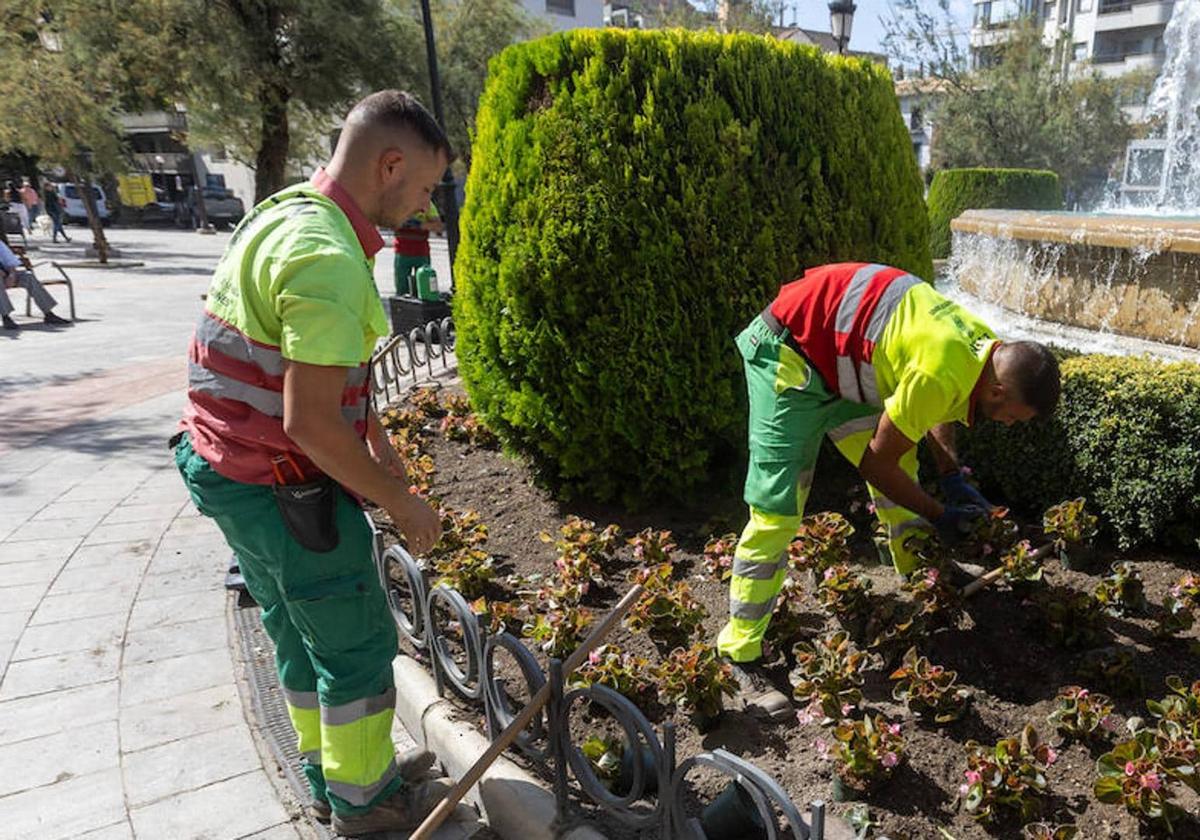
843,791
1078,558
732,816
624,781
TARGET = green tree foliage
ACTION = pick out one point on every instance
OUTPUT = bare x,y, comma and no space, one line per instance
1023,110
956,190
267,79
1126,436
636,197
467,34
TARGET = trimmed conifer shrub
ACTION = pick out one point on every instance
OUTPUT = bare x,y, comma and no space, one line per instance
956,190
635,198
1126,436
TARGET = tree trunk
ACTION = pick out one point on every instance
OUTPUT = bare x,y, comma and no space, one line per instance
99,240
271,163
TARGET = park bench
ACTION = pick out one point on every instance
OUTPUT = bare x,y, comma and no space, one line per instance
62,280
12,225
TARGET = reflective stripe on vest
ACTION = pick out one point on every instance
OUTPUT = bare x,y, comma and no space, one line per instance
862,316
227,367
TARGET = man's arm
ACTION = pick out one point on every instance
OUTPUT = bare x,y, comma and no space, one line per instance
312,417
880,466
941,446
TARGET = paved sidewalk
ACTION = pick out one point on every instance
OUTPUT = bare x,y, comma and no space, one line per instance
120,714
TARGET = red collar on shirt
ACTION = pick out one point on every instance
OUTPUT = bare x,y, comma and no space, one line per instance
368,236
979,385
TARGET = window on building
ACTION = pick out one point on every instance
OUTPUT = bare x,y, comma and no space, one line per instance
1048,11
983,14
1079,50
917,152
561,7
219,155
1004,11
1083,5
916,120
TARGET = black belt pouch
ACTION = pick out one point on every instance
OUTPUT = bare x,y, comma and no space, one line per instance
309,512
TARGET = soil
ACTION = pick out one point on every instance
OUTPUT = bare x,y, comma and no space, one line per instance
997,648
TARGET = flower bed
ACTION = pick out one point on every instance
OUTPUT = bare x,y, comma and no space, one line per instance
992,681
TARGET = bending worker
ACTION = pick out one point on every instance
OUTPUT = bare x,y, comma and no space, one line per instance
877,360
279,440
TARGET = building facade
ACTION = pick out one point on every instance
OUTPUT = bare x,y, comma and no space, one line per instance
561,15
1116,37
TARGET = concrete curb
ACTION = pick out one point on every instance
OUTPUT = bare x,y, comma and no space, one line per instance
515,804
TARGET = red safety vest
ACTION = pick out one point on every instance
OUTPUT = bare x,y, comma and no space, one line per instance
836,314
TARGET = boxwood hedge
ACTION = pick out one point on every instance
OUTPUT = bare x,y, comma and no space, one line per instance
1126,436
634,199
956,190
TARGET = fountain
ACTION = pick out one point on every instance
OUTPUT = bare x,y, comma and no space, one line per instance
1114,273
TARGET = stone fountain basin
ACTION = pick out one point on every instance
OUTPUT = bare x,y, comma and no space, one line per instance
1136,275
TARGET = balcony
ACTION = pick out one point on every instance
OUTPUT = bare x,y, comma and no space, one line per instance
1132,14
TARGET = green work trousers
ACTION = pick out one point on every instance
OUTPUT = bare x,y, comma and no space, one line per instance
333,632
791,409
405,269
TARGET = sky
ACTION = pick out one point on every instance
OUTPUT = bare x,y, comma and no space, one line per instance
867,32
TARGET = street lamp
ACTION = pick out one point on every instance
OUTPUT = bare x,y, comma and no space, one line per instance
841,18
449,202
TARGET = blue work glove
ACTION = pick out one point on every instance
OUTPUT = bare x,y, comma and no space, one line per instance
955,522
961,493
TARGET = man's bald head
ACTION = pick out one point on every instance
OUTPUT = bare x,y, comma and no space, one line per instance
389,156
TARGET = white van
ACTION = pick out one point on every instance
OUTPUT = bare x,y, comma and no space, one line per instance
72,201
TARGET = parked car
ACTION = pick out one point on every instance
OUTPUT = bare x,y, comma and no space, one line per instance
221,205
73,209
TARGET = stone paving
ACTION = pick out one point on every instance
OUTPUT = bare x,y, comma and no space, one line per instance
120,711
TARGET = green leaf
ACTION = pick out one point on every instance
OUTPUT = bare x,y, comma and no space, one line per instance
1108,790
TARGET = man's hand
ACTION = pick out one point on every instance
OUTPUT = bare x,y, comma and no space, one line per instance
961,493
955,522
419,523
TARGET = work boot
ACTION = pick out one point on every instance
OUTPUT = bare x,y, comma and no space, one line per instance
756,693
10,324
404,810
51,318
415,765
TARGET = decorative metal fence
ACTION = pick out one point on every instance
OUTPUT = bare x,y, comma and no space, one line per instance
406,359
438,617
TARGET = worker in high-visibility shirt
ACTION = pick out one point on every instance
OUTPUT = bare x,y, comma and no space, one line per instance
877,360
279,444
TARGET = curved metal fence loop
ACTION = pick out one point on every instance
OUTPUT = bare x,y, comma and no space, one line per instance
398,362
411,627
466,682
764,792
639,732
497,708
416,336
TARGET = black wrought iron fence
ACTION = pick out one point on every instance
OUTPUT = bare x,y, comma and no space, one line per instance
655,795
406,359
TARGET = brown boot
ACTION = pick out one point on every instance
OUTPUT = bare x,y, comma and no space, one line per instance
402,811
415,765
756,694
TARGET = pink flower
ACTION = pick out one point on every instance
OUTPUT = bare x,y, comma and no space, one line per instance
822,747
846,708
594,658
870,507
804,717
828,574
963,790
1176,591
890,759
931,576
1109,723
1083,692
1130,768
894,728
1051,756
966,470
1151,781
973,777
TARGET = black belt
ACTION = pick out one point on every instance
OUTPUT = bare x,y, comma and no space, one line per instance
778,329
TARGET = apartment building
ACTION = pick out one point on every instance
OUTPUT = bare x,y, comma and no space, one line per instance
1116,37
